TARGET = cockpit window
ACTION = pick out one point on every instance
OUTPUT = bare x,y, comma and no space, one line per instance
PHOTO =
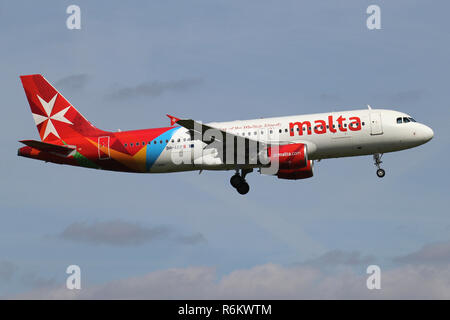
405,120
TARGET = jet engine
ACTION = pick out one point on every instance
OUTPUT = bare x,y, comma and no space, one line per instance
292,159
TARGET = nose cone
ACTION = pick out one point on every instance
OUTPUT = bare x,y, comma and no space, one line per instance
427,133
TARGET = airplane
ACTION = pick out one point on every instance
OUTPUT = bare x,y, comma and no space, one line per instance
285,147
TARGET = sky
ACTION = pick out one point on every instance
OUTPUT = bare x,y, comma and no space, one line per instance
190,235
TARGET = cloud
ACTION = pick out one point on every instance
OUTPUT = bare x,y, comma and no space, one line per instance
434,253
34,280
339,257
346,279
7,270
192,239
122,233
115,232
267,281
75,82
154,89
407,96
11,272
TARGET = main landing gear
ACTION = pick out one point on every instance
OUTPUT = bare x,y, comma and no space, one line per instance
238,181
377,158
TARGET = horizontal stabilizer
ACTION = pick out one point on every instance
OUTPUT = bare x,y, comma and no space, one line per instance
48,147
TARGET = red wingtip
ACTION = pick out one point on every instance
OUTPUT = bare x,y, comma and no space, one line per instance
173,119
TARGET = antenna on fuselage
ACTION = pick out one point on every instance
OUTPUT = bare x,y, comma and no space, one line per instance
369,107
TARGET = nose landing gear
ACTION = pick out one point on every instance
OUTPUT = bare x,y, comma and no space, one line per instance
239,183
380,173
377,161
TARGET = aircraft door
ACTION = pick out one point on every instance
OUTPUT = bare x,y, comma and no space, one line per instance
375,123
103,148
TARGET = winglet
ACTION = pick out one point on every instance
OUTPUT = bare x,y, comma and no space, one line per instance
173,119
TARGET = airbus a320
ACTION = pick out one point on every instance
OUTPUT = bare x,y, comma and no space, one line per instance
285,147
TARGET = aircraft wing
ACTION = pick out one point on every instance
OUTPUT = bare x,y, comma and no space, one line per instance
48,147
212,133
243,148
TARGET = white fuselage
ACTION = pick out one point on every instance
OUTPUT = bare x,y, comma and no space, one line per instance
327,135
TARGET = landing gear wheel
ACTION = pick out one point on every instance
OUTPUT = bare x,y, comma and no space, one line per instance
380,173
377,163
236,180
243,188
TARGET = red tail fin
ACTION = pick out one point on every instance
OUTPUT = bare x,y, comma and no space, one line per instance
55,117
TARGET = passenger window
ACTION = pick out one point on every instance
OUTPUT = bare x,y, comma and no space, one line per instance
143,143
281,131
285,130
271,131
137,143
131,144
154,142
405,120
125,144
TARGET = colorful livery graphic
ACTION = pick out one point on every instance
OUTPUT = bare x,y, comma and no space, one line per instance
285,147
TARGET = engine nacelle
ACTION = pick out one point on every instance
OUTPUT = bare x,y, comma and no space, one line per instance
296,174
292,161
289,156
